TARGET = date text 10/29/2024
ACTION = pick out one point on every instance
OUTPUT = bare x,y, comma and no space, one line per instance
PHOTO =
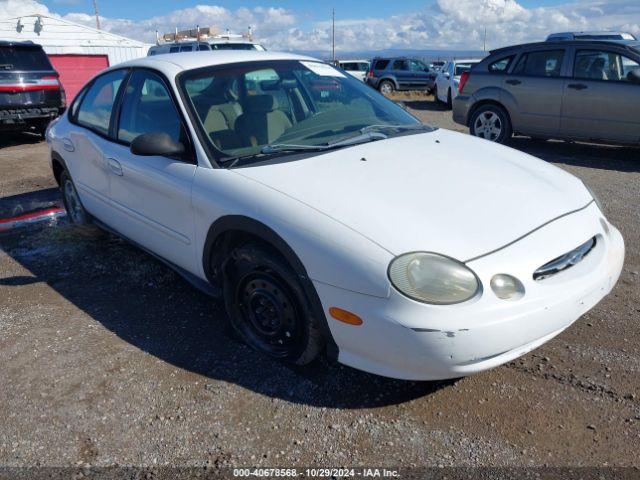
316,472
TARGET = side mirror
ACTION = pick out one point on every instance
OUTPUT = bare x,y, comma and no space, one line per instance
446,75
634,76
156,143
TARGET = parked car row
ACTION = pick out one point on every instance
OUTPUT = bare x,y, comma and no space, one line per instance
586,90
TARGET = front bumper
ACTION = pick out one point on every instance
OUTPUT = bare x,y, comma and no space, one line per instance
405,339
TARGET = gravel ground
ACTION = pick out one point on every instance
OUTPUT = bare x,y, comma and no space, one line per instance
109,358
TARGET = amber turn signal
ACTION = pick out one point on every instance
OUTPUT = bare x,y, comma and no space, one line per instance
345,316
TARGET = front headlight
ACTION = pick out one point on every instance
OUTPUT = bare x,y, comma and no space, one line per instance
594,196
432,278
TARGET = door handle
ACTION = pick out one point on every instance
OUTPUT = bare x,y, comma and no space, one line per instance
115,166
514,82
577,86
68,145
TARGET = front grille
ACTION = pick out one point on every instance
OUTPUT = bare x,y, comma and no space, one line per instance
565,261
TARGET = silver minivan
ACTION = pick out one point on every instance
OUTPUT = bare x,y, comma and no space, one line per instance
574,90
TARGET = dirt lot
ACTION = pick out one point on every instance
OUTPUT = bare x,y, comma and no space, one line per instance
109,358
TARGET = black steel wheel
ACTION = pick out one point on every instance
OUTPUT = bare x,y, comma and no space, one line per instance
267,305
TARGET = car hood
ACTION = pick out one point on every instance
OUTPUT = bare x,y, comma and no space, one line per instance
441,191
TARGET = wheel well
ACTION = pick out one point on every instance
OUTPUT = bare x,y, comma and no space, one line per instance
482,103
389,79
57,164
229,232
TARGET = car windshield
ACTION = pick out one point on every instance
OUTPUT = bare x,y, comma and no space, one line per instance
264,108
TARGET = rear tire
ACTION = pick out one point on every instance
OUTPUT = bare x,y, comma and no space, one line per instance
492,123
267,305
75,210
386,87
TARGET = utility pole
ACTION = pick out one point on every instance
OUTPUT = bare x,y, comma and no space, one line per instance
333,34
95,9
485,39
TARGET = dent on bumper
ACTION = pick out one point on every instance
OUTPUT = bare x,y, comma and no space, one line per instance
404,339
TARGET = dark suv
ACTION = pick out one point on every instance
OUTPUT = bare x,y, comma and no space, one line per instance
587,90
400,73
30,91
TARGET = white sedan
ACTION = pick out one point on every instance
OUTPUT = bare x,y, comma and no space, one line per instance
330,219
448,79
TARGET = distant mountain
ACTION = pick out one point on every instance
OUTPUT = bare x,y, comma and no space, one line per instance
426,55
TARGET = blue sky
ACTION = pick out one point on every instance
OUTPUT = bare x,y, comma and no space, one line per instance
309,9
361,24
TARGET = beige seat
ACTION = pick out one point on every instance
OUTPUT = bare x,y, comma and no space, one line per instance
218,129
261,123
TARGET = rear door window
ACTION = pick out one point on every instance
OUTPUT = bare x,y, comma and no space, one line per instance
546,63
95,110
23,58
400,65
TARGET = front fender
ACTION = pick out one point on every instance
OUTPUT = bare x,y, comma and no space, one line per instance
331,253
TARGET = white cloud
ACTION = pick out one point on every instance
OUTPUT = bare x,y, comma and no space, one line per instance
442,24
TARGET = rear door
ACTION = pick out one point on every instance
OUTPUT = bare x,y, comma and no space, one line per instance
419,73
151,195
533,91
87,139
600,103
403,74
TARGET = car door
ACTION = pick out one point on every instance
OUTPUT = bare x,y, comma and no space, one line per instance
600,103
402,73
442,81
86,140
533,90
419,73
151,195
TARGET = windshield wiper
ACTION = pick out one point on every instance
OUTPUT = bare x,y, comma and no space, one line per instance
285,147
414,126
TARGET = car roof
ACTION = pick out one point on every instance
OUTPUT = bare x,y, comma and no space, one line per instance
13,43
465,60
353,60
635,44
172,63
589,32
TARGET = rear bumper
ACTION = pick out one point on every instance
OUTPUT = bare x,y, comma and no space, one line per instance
17,117
461,108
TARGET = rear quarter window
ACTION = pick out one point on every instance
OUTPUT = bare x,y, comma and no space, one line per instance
381,64
502,65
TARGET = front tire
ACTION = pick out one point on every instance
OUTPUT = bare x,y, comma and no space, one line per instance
449,100
492,123
267,305
75,210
